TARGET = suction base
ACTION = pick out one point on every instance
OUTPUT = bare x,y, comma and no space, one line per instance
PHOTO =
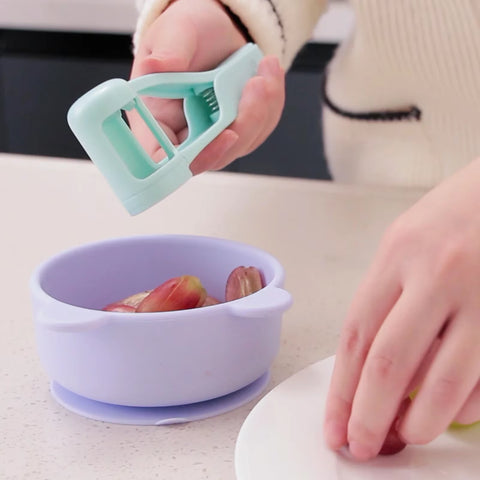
107,412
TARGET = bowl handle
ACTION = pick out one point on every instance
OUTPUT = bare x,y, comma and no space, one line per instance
69,318
267,300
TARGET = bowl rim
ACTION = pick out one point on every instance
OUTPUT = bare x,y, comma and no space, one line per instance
35,282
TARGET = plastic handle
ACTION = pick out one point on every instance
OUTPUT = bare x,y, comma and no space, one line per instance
155,128
71,319
210,105
265,301
230,79
171,84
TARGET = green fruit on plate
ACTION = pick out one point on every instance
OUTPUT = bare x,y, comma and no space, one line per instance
463,425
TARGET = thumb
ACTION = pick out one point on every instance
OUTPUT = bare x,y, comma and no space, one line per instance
163,49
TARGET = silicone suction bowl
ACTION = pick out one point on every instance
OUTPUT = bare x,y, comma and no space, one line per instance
160,359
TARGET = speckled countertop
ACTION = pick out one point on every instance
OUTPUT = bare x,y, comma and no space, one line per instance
324,235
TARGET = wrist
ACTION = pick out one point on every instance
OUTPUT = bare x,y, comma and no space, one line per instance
239,25
235,19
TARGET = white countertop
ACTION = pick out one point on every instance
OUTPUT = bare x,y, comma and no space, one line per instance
119,16
107,16
324,235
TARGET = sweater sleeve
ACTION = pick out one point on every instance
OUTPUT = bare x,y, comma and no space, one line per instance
279,27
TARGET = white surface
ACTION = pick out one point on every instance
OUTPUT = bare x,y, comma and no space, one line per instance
281,439
119,16
109,16
323,234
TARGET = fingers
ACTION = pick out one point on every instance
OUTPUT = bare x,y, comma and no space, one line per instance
380,350
429,335
260,109
391,363
446,367
259,112
452,378
213,153
371,304
274,97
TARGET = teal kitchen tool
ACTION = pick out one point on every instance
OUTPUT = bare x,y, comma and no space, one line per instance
210,102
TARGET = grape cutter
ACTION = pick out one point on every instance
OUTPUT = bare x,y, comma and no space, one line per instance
210,103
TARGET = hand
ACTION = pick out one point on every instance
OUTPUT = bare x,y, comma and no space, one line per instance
196,35
414,322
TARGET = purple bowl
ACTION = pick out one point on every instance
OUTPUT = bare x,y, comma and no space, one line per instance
161,358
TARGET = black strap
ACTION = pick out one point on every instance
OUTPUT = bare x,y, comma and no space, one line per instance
408,113
239,24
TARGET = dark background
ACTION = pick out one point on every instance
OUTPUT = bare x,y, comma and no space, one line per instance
43,73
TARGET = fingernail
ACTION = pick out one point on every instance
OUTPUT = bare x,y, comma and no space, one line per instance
360,451
335,434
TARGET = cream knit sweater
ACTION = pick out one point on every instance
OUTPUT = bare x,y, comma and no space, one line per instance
417,56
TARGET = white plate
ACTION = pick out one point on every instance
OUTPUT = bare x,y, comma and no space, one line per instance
282,439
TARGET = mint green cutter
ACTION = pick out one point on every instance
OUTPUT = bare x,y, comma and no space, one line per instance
210,104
